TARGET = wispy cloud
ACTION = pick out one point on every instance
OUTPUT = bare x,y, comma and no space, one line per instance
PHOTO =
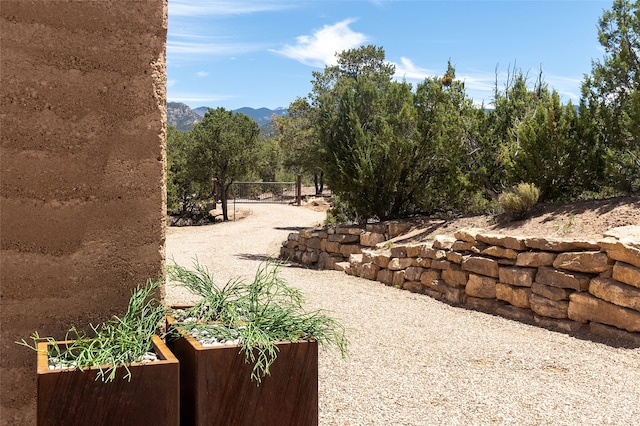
197,98
407,70
225,7
207,47
320,48
202,73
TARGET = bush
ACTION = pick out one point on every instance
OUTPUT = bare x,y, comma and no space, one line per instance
519,200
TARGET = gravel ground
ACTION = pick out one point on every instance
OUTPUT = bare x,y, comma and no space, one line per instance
416,361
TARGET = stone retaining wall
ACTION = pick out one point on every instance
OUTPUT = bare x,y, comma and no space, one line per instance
555,283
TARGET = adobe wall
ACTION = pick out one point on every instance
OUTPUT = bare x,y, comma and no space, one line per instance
567,285
82,171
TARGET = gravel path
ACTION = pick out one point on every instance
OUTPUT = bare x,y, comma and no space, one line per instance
417,361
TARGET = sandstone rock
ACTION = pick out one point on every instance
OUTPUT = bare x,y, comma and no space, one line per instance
585,307
331,262
343,238
309,257
454,276
436,285
348,249
342,266
516,296
323,257
549,292
616,292
462,246
443,242
413,286
423,262
397,264
454,295
549,308
515,313
514,275
586,261
490,305
355,259
349,230
556,244
385,276
614,333
397,228
415,250
429,276
509,242
627,274
496,251
454,257
333,247
564,325
468,234
481,286
370,239
440,264
376,228
293,236
413,273
398,251
624,251
367,256
563,279
481,265
398,279
381,259
434,254
536,258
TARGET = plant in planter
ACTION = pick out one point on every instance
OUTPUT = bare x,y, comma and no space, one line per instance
248,350
119,374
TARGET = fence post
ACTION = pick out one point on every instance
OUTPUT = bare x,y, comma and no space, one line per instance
299,190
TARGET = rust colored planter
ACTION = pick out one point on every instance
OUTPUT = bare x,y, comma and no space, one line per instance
216,386
74,397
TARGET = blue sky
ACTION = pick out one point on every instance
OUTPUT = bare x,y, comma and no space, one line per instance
261,53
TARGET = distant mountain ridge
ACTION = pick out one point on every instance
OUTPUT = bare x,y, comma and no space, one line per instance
182,117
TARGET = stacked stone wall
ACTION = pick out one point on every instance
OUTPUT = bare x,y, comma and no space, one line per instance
563,284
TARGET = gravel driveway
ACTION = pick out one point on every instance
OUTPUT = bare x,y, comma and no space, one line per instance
417,361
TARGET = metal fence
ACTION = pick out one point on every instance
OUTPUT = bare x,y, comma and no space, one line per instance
263,192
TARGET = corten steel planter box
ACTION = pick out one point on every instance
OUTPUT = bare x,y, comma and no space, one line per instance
73,397
216,386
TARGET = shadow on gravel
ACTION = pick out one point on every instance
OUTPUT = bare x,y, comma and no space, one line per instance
290,228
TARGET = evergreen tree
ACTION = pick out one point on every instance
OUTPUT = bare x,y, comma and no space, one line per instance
613,95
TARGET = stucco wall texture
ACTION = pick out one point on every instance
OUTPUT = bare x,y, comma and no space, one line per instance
82,159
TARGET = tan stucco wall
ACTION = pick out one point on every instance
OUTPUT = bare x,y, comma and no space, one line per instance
82,126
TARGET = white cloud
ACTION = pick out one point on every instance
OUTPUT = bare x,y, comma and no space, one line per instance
207,47
320,48
224,7
407,70
197,98
202,73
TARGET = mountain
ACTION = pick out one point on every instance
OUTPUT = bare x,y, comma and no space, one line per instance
180,116
262,116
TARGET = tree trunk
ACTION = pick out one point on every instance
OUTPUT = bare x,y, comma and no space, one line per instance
318,181
223,198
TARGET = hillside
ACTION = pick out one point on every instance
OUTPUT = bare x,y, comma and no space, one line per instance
183,118
180,116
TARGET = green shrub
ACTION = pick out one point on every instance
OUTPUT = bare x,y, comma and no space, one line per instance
519,200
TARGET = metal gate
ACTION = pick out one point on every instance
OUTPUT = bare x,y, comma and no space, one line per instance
264,192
